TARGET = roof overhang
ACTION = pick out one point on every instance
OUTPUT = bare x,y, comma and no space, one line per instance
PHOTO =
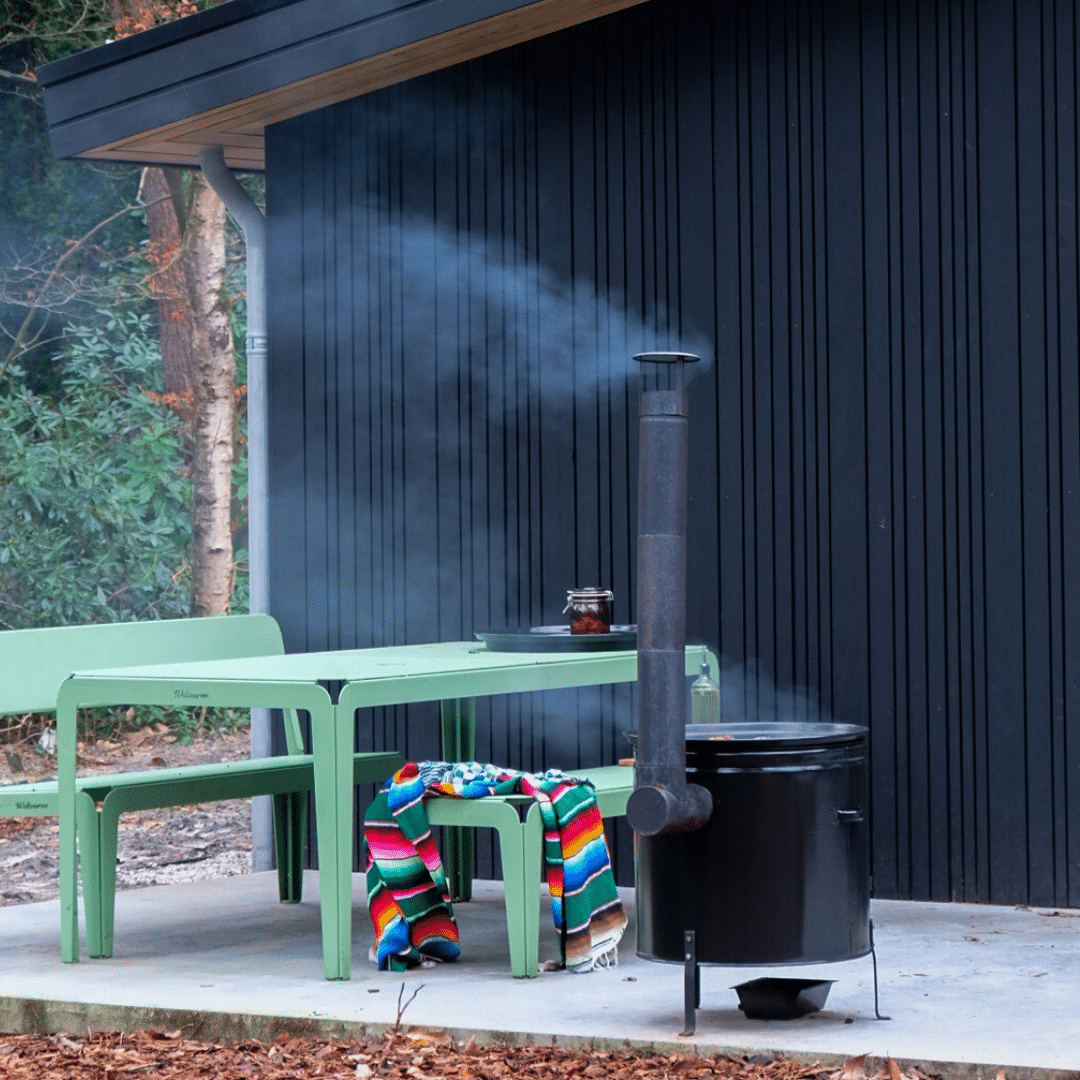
219,77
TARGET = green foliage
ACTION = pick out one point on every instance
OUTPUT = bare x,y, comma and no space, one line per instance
184,724
94,496
45,198
45,203
109,724
44,206
94,522
94,509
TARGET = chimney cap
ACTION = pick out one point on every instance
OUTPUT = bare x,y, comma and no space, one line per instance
666,357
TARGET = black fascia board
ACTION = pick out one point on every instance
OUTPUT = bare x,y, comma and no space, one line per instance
134,85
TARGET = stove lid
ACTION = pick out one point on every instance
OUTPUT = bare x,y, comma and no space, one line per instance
763,735
743,736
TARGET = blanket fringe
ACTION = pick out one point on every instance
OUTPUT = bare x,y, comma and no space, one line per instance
605,954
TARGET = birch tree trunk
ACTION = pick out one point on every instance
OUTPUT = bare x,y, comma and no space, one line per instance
215,402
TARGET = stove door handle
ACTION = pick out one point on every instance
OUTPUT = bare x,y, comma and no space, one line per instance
848,817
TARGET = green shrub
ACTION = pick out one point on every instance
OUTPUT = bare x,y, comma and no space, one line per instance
95,506
94,503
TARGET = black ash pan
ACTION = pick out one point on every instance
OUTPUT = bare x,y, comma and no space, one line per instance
782,999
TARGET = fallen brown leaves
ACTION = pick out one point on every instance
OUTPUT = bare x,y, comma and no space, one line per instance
403,1056
855,1069
10,827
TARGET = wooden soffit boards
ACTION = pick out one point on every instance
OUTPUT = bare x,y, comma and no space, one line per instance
160,100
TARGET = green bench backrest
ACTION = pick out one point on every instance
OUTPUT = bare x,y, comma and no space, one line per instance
33,663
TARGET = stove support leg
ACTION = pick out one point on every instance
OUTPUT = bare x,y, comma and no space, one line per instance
873,957
691,982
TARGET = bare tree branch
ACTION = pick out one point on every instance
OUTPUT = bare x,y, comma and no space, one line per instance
16,347
84,23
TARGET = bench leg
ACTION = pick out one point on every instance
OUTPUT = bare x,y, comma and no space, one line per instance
88,823
290,822
533,836
520,847
104,874
67,814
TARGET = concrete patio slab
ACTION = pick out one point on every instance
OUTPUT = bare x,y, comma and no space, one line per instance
969,988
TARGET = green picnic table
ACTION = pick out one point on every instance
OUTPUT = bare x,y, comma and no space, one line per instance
453,673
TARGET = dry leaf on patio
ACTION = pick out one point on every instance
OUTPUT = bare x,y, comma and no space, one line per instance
852,1069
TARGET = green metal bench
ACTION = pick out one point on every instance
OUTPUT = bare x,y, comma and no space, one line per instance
33,664
521,849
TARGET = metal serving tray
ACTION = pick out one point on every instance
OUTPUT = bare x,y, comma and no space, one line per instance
557,639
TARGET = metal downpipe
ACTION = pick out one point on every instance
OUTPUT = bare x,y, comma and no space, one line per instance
252,224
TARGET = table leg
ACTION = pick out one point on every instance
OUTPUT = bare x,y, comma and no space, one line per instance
459,744
66,734
332,748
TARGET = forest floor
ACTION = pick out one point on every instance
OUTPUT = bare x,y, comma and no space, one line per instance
156,847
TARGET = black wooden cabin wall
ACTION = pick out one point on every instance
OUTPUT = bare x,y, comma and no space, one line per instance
865,215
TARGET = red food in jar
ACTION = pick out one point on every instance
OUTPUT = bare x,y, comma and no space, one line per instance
588,624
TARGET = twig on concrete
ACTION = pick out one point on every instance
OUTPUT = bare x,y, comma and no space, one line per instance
391,1036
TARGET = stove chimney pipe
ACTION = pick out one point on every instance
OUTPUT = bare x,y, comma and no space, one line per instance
662,801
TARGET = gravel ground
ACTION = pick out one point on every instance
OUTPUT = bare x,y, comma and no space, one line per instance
156,847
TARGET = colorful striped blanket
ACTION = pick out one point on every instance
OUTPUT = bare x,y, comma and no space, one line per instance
408,898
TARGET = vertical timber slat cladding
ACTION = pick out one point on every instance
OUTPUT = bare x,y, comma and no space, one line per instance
1067,339
864,216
